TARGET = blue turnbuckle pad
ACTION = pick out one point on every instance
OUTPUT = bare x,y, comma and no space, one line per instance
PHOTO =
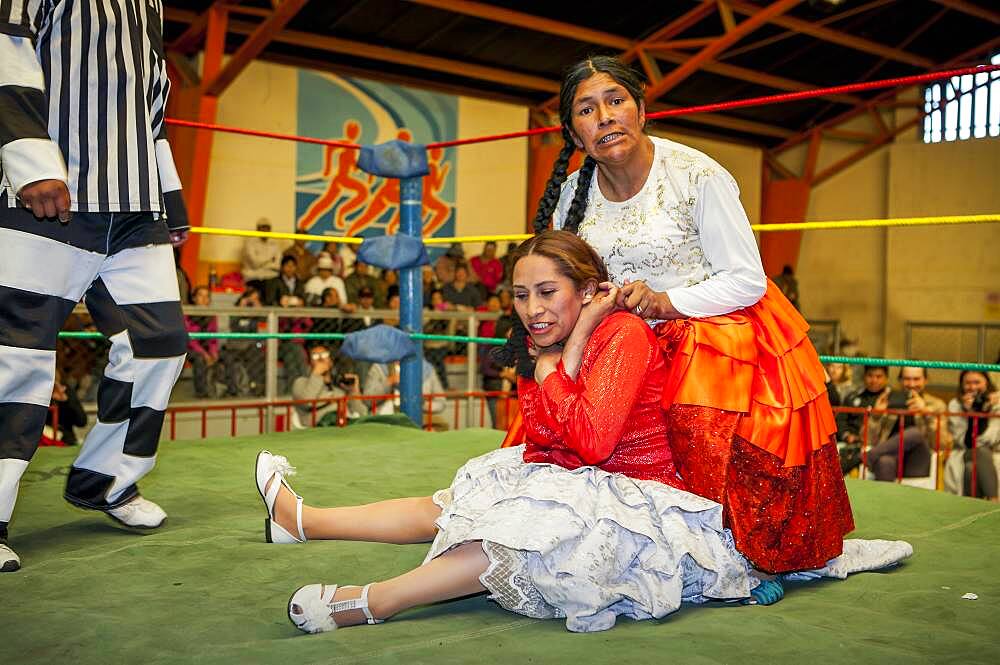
394,159
394,252
378,344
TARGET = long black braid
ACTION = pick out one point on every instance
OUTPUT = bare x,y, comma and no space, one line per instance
515,351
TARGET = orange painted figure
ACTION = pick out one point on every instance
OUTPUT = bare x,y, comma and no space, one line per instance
341,183
383,198
434,183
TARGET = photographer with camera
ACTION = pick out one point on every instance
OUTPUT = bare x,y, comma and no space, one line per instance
976,394
324,382
919,430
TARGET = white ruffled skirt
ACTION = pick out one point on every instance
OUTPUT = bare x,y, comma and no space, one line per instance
590,546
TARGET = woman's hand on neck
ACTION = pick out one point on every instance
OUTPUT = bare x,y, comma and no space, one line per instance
622,180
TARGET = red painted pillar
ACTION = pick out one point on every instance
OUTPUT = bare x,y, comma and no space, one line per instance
784,201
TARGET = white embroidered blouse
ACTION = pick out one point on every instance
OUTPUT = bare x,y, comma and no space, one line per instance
684,233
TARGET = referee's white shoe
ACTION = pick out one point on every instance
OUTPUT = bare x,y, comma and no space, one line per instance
9,561
138,513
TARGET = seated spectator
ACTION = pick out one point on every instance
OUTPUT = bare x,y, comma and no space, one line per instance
322,382
488,267
324,279
444,270
203,354
841,377
285,290
68,410
919,430
876,382
506,261
332,250
488,327
261,258
393,304
385,285
976,394
789,285
331,300
304,259
244,359
383,379
360,279
437,350
462,295
428,283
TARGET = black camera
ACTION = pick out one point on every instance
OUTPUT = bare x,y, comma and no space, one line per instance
898,399
346,380
979,403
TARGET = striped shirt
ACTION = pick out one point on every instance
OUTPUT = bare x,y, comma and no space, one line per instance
83,91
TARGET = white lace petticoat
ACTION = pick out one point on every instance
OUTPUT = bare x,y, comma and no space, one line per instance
589,546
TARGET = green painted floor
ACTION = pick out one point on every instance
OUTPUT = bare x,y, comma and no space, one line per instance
205,588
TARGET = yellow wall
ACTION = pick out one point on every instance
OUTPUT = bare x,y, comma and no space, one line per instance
742,161
252,178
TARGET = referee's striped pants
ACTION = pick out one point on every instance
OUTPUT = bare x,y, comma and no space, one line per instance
122,265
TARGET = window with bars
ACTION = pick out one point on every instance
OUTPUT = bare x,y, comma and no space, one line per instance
963,107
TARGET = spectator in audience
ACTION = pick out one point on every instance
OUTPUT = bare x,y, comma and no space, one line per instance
324,279
261,258
304,259
876,382
460,294
976,394
332,250
506,261
919,431
383,379
849,425
428,284
203,354
437,350
487,328
789,285
285,290
348,257
393,304
322,382
69,412
841,378
456,252
385,285
331,300
444,270
488,267
244,359
360,279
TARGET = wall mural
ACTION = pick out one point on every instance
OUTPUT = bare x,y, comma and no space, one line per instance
333,196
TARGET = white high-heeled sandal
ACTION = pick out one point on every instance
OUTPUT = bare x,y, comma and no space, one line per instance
316,607
275,466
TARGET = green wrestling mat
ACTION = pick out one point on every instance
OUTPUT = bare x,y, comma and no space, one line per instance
205,588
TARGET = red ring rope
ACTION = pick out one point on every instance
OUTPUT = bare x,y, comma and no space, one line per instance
688,110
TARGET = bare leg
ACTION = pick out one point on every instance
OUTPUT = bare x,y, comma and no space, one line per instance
398,521
452,575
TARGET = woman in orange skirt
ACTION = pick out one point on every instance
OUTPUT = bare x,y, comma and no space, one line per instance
749,420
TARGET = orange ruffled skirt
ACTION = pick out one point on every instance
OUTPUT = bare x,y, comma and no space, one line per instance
751,427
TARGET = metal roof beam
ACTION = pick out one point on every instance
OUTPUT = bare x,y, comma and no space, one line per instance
766,14
971,9
254,45
835,37
529,22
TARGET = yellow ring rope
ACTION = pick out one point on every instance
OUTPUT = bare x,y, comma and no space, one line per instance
791,226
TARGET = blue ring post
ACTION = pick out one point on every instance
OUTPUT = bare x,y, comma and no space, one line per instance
411,301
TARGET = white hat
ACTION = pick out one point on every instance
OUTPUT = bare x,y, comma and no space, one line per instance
324,263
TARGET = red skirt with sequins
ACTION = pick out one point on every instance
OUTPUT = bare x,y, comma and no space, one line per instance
751,427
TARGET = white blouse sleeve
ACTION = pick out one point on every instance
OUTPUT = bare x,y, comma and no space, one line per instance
737,278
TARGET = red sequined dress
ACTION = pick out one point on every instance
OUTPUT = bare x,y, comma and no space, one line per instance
612,416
